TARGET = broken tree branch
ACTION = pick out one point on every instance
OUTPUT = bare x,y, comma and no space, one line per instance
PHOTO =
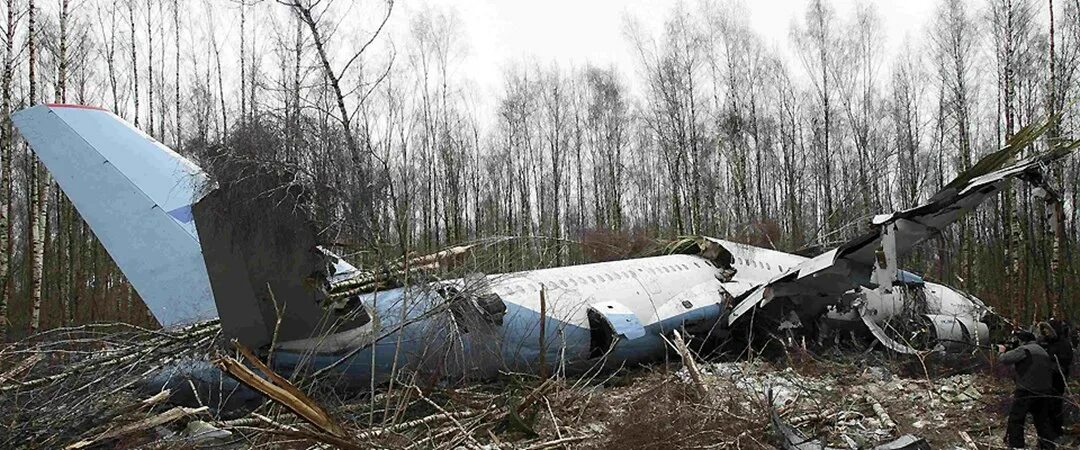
145,424
279,390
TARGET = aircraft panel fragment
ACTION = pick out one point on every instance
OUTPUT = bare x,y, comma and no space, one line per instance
621,319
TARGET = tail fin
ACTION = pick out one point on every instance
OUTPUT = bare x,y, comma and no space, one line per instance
136,195
243,252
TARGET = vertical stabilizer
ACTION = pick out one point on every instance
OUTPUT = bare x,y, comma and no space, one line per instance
136,195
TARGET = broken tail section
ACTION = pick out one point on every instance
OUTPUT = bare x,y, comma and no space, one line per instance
136,195
244,252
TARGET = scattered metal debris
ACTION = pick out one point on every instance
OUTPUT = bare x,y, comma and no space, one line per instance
257,263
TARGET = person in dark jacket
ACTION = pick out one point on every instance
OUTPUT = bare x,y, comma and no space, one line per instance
1034,389
1061,351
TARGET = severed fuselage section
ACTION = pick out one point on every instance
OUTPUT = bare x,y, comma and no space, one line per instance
195,250
611,314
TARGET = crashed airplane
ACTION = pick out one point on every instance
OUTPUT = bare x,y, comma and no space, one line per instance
191,257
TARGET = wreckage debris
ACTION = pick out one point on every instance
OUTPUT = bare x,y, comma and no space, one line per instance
837,404
793,439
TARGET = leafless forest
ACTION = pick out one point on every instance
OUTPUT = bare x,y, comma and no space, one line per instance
725,136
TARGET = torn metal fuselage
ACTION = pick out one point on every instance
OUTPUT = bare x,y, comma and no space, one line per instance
194,250
593,315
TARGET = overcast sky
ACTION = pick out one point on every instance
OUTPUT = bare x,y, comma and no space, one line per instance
572,32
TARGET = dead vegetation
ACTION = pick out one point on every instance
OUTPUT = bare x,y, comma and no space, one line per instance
84,388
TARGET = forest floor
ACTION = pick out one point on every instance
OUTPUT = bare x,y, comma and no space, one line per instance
83,391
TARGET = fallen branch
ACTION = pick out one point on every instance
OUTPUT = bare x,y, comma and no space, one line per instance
145,424
688,361
280,390
886,421
557,443
22,367
967,440
434,418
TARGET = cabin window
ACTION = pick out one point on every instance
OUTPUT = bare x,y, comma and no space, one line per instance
609,277
591,279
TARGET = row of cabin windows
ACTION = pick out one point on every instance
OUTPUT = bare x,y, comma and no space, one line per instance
605,277
758,264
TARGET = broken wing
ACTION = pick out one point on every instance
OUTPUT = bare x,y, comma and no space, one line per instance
818,281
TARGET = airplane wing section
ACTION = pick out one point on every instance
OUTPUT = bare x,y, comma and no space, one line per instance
136,195
818,281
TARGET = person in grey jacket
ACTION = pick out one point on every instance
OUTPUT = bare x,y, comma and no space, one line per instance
1034,391
1059,346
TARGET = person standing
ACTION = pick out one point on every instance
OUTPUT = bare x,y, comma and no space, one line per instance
1033,390
1061,351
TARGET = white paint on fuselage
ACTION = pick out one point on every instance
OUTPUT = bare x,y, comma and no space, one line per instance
951,302
756,265
657,288
642,285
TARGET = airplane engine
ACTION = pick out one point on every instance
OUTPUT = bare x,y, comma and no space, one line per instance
922,316
957,333
956,318
944,300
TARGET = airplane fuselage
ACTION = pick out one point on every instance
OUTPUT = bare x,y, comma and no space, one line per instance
565,318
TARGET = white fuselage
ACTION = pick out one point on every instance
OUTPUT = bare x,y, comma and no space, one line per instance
623,310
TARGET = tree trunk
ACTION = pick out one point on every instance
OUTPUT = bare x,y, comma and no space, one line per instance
134,60
6,144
